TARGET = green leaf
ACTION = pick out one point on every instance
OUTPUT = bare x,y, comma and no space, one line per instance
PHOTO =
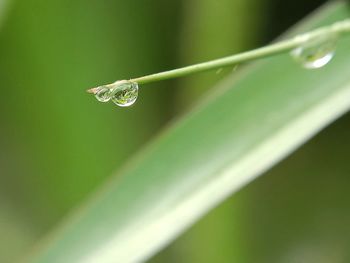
3,10
252,121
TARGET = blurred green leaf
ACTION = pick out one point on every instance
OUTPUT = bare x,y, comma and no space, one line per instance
210,30
4,5
56,142
252,121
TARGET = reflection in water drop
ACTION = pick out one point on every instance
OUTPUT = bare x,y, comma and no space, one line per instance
317,52
103,94
125,94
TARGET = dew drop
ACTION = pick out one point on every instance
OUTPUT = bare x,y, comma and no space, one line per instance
218,71
235,68
125,93
317,52
103,94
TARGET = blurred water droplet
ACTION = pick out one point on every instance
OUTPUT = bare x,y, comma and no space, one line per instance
316,52
103,94
219,71
125,93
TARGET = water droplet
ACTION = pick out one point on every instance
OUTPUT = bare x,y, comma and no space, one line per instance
218,71
125,93
316,52
103,94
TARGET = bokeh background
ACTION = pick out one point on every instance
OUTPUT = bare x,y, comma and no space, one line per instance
58,144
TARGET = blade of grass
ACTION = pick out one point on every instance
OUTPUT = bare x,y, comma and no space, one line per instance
339,27
253,121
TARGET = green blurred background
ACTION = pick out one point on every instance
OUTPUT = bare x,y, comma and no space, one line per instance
58,144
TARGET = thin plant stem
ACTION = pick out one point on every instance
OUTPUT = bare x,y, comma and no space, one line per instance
338,28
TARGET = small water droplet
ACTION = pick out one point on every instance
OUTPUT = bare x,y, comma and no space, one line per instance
125,93
218,71
316,52
103,94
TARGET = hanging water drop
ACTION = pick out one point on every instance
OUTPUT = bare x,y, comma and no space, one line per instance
103,94
316,52
125,93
